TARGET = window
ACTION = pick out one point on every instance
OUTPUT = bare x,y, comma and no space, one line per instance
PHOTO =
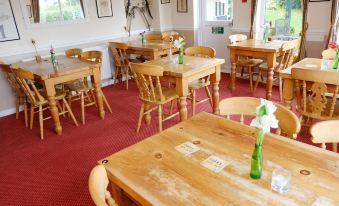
60,10
285,17
219,10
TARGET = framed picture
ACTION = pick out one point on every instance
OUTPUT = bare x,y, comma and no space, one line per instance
165,1
182,6
104,8
8,29
29,11
317,0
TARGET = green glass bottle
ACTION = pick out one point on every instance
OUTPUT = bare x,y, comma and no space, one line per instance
336,61
181,55
256,162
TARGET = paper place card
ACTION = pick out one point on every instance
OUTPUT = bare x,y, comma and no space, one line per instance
187,148
214,163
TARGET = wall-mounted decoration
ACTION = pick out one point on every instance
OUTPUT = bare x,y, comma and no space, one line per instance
217,30
104,8
143,6
317,0
29,11
8,28
165,1
182,6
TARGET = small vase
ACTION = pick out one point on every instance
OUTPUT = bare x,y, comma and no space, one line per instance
142,39
256,162
181,55
336,61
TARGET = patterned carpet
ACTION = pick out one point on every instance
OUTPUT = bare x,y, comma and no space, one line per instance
55,171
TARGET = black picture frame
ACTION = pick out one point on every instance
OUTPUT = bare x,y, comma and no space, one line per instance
317,0
183,8
29,11
12,21
102,14
165,1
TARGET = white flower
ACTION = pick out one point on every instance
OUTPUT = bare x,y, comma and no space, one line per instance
178,43
265,118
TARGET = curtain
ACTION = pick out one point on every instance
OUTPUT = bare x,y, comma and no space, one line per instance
334,23
253,14
302,52
35,10
82,7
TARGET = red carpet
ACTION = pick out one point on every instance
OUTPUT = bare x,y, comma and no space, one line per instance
55,171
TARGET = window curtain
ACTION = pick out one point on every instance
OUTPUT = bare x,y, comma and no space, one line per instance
35,10
332,35
302,52
253,14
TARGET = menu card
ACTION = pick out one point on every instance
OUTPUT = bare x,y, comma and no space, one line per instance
187,148
214,163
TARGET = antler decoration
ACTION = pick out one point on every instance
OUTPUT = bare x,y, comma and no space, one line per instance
142,6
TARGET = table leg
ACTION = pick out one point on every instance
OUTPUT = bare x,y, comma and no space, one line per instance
288,92
271,58
50,93
215,79
233,69
96,80
182,90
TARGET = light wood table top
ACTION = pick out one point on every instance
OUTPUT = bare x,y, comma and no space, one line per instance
156,45
257,45
153,172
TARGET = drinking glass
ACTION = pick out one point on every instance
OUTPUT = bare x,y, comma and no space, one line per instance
280,180
325,64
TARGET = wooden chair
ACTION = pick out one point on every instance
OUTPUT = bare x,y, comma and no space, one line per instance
328,54
83,87
286,59
37,100
97,185
245,62
165,35
73,53
289,124
316,93
206,52
153,36
121,61
19,94
326,132
151,92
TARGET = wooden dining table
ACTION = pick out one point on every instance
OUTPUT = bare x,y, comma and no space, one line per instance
153,49
156,172
257,49
192,69
288,81
68,69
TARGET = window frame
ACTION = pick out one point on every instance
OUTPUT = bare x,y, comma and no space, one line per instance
207,22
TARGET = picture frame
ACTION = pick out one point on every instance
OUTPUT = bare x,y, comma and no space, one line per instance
104,8
29,11
8,27
165,1
182,6
317,0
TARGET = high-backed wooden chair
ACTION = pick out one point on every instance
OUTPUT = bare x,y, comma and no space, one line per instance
289,124
151,92
121,61
328,54
82,88
286,59
206,52
153,36
326,132
73,53
316,93
97,185
19,94
245,62
37,100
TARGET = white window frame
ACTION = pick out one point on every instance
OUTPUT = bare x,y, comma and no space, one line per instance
214,23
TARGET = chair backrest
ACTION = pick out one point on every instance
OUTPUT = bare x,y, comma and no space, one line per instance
328,54
326,132
201,51
25,80
287,54
147,78
93,56
172,38
73,53
119,53
6,69
235,38
97,185
246,106
316,93
153,36
165,35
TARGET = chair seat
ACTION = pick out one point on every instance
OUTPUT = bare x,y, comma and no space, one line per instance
263,66
58,96
169,94
198,85
249,62
79,85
